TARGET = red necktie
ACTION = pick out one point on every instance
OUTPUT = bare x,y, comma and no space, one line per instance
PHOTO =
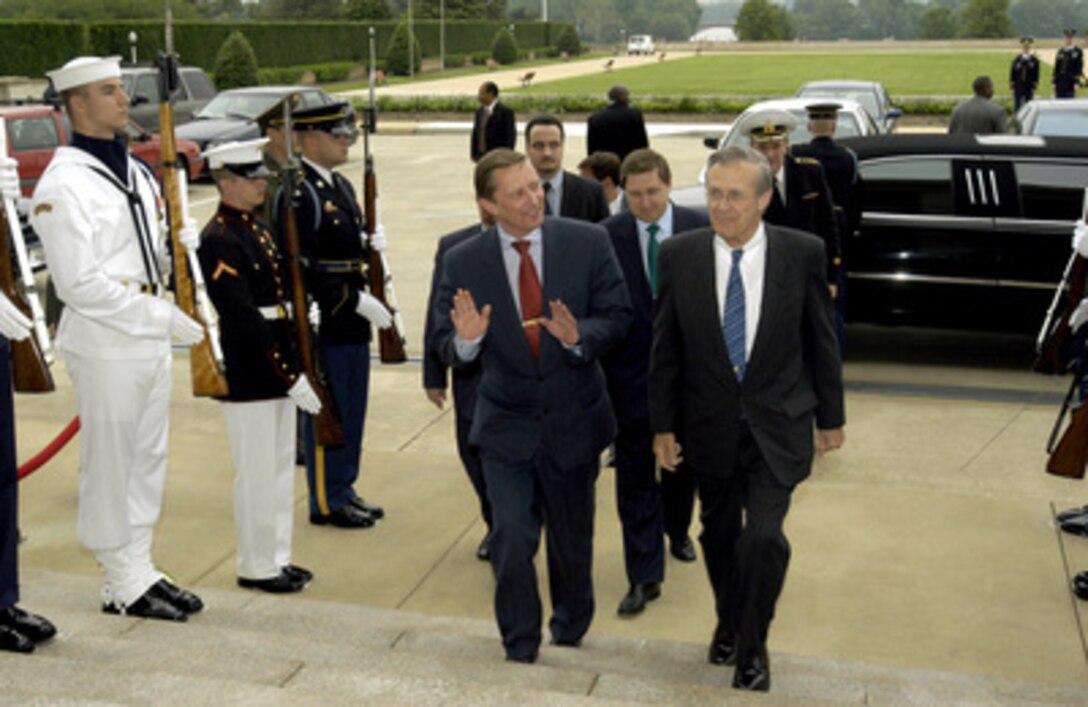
531,296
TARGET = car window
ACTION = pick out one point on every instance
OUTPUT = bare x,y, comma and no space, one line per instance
848,127
1051,191
921,185
1061,122
200,86
310,99
147,87
33,133
867,99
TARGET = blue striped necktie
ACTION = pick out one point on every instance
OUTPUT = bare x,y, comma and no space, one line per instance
733,319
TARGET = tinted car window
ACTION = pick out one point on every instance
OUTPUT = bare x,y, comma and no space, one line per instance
1061,122
35,133
911,186
1050,191
147,87
847,127
866,98
200,86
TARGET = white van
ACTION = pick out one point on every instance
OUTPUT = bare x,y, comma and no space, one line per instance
640,44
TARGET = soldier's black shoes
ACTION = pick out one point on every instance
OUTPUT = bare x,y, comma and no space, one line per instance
375,512
299,574
1080,585
723,649
31,626
637,597
150,605
1071,513
15,642
349,516
183,599
753,673
1075,525
683,550
283,583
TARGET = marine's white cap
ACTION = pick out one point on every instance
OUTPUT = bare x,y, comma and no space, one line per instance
84,70
243,158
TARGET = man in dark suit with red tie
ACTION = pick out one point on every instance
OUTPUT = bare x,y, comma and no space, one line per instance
744,366
565,194
494,125
537,302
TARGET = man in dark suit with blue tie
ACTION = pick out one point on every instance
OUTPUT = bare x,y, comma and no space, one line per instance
744,365
465,379
636,235
565,194
537,302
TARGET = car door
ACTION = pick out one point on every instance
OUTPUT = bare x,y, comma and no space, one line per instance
923,254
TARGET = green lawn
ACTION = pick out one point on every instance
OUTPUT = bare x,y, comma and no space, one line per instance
922,74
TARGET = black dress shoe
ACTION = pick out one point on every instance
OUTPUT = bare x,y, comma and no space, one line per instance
483,550
1071,513
753,673
181,598
347,517
1076,525
31,626
636,598
375,512
148,606
566,642
723,649
527,658
300,574
683,550
12,640
282,583
1080,585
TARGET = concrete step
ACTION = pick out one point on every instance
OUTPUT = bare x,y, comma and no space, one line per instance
248,647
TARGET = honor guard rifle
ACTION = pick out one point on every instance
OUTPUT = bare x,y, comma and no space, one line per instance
392,339
327,429
206,357
29,358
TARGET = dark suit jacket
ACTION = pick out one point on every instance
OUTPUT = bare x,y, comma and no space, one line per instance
499,132
793,373
618,128
556,404
582,199
627,366
466,377
809,208
977,116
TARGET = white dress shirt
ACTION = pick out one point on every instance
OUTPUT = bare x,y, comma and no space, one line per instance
556,192
753,266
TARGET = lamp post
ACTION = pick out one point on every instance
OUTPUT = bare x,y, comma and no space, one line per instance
132,37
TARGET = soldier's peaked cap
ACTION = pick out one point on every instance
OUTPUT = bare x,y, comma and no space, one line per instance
767,125
1069,32
273,115
330,118
242,158
822,111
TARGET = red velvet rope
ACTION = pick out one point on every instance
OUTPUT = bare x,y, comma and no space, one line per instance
50,450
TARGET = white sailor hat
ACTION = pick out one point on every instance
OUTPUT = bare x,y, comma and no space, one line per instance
767,125
84,70
242,158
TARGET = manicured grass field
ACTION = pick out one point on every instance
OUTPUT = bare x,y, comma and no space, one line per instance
907,74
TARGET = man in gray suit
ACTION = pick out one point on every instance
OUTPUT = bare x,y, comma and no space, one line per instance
536,301
744,361
978,115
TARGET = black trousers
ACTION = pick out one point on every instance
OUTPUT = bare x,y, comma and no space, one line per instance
745,549
474,465
9,511
678,498
638,499
525,497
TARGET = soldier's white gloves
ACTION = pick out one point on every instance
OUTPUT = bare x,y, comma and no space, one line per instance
1079,316
185,330
302,394
189,235
374,311
1080,239
314,315
9,179
376,240
13,324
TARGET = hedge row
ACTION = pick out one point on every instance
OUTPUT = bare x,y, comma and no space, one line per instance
32,48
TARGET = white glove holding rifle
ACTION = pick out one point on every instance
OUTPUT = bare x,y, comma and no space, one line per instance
186,330
14,325
371,309
302,394
376,240
189,235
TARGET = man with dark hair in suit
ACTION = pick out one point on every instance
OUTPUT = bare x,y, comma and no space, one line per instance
553,302
494,123
744,363
604,168
618,128
636,235
565,194
978,115
466,378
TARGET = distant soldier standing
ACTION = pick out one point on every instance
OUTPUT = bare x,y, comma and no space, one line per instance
1068,68
1024,74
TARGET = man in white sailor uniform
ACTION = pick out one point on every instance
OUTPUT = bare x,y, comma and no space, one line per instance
98,213
248,285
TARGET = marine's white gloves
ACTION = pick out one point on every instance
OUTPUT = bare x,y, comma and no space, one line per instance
313,315
14,324
186,330
303,395
374,311
1080,239
189,235
9,179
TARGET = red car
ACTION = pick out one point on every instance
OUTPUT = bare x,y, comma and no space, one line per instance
35,131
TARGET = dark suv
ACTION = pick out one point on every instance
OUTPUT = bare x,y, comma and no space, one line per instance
141,83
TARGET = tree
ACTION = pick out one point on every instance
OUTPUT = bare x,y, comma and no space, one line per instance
368,10
884,19
938,22
986,19
824,19
504,47
671,27
89,10
396,54
302,9
569,42
459,9
1046,18
761,20
236,63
